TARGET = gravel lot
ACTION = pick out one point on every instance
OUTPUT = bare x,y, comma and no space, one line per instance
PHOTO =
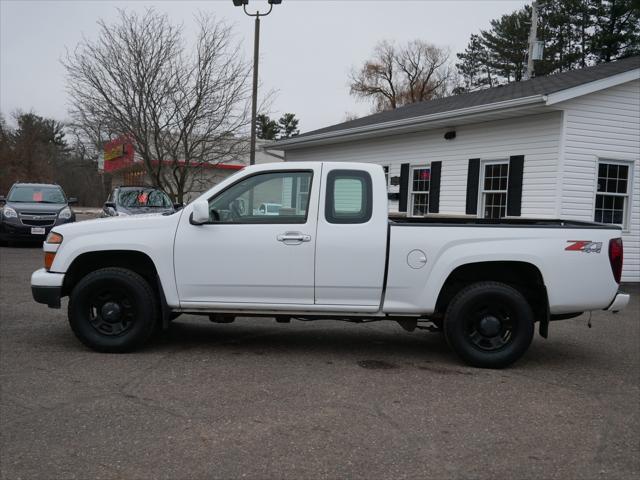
257,399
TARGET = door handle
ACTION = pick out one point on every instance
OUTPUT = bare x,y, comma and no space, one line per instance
293,237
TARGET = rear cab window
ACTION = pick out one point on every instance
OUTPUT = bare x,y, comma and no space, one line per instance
349,197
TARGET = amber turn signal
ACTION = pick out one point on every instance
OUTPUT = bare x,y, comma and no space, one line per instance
48,259
54,238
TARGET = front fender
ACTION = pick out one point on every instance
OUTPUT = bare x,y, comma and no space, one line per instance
154,238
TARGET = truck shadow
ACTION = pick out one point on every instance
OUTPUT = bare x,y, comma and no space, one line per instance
264,336
376,346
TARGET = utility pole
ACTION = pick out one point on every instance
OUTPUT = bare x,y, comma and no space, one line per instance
533,32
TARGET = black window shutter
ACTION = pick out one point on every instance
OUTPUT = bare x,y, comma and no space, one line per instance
404,187
434,187
514,187
473,179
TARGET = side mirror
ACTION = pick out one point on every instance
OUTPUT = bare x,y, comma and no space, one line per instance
3,199
109,208
200,213
72,200
178,206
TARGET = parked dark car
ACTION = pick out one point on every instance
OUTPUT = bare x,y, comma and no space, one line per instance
31,209
137,200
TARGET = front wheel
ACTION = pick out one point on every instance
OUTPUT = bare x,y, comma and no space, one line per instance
113,310
489,325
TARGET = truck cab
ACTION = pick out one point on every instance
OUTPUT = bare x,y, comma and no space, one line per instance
299,256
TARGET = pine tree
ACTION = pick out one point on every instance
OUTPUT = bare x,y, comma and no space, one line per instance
288,125
267,129
576,34
508,43
559,35
474,66
617,29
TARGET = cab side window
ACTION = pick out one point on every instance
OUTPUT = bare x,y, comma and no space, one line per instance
273,197
349,197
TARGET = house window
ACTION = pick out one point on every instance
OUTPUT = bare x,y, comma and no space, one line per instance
386,175
420,180
612,196
494,189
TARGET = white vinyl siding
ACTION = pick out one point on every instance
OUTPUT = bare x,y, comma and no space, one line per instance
600,127
535,136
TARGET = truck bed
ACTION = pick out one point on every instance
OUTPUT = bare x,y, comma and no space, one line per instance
443,221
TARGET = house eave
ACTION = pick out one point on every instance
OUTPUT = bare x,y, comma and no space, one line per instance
591,87
405,125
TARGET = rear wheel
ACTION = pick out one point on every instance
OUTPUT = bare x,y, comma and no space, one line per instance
489,324
113,310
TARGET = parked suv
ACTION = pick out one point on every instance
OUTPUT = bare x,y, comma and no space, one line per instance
136,200
31,210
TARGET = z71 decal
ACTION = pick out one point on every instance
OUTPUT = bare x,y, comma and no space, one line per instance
586,246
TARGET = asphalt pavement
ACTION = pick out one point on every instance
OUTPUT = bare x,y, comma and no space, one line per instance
306,400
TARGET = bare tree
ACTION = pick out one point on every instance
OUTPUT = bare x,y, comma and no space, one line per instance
183,108
397,76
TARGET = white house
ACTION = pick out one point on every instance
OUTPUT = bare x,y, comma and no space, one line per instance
560,146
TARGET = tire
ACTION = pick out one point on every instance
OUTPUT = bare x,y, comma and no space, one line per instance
489,325
113,310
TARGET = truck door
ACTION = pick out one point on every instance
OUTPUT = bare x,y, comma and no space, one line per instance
252,255
352,235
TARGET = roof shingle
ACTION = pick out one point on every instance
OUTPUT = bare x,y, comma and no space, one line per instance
536,86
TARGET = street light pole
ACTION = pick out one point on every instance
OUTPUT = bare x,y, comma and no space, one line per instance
256,54
254,106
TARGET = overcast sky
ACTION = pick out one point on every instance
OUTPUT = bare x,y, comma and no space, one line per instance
307,47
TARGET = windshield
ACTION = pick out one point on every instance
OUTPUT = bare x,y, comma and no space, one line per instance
36,194
143,198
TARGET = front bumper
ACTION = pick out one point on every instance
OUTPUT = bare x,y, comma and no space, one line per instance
18,232
46,287
619,302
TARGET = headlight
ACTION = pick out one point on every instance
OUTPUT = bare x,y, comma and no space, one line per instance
65,213
54,238
9,212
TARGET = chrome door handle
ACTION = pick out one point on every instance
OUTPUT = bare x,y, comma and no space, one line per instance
293,237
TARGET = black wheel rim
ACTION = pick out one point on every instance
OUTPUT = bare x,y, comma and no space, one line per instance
112,311
490,327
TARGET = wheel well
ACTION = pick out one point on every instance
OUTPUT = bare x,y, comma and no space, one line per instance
86,263
524,277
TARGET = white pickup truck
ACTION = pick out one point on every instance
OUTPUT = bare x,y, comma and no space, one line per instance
330,252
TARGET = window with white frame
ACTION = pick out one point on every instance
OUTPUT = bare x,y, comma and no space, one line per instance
612,197
419,194
494,189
